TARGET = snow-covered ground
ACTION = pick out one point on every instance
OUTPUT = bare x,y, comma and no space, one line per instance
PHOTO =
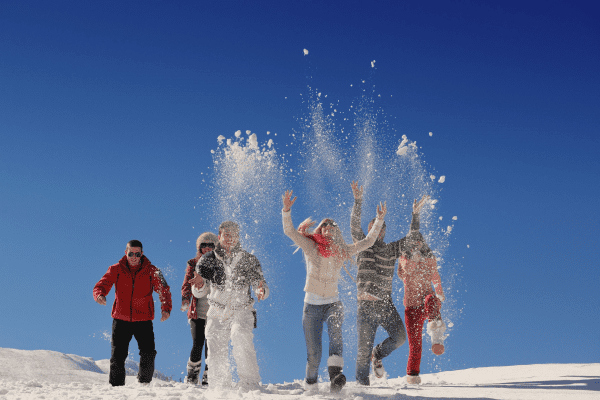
43,374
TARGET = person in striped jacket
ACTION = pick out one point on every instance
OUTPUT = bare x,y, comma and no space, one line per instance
376,267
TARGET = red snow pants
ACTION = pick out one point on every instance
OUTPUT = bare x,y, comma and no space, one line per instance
415,318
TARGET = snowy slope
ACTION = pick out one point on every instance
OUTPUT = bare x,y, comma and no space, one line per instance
43,374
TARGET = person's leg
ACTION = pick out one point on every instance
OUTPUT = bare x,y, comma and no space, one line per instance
433,306
312,323
242,339
367,327
217,336
195,362
435,326
119,343
205,374
205,344
197,330
414,316
393,325
144,335
335,362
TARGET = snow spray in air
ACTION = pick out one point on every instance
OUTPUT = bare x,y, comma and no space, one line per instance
247,189
390,168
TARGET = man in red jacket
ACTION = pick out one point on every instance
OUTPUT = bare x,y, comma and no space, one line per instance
134,278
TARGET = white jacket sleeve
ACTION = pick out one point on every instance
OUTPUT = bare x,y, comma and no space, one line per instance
202,292
299,239
369,240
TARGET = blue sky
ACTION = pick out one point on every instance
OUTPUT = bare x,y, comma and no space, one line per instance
109,112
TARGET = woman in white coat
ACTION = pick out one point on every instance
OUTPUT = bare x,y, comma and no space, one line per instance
325,253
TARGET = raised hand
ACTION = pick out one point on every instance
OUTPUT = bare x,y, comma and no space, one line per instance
381,210
357,191
417,207
288,202
164,316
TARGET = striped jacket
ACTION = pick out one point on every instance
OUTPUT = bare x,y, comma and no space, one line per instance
377,264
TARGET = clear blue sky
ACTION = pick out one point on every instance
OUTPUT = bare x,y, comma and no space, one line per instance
109,112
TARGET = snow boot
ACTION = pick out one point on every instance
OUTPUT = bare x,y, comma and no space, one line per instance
205,377
337,379
378,369
193,370
413,379
436,329
311,388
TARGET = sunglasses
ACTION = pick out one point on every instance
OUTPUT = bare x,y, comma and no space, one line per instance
329,223
132,254
210,245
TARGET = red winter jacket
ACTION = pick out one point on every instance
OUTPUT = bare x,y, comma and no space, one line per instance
186,289
133,291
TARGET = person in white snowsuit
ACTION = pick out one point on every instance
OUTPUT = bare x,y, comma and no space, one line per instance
325,253
231,271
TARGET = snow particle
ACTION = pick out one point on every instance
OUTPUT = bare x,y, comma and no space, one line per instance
454,218
430,133
305,52
442,179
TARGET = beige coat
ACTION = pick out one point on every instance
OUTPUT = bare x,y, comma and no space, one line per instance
323,273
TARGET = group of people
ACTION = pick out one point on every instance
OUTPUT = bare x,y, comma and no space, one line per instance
217,295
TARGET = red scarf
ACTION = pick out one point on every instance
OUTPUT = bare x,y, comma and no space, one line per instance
323,243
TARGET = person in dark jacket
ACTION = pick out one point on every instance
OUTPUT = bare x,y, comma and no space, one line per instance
134,278
196,308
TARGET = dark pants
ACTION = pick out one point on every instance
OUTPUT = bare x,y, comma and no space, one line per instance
199,341
122,332
372,314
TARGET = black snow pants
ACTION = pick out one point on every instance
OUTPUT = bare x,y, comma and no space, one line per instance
122,332
199,340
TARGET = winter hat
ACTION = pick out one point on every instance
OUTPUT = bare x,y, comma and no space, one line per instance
412,238
207,237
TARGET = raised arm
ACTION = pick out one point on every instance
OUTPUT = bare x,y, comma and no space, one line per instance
417,207
355,216
288,227
371,237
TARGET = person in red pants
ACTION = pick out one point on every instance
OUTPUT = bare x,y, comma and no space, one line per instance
418,271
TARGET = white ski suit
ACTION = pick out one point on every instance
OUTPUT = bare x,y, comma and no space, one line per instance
231,314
